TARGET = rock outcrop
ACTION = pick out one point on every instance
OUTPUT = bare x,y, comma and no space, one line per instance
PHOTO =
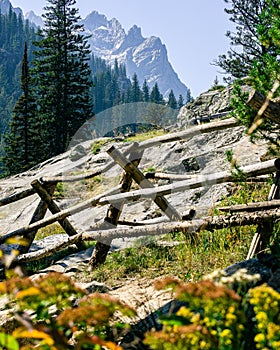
210,103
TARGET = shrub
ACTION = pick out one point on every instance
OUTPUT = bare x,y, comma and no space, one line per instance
53,313
217,317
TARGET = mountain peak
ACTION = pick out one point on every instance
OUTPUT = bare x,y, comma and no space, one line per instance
95,20
147,57
5,7
33,18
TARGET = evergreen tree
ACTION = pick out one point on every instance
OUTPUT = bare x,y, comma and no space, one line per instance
172,102
62,75
189,97
156,96
146,91
180,101
110,84
136,94
13,34
264,72
245,44
22,142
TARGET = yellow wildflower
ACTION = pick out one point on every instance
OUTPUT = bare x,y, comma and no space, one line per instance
226,333
259,338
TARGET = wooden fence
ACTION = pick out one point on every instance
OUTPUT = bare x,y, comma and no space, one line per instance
115,198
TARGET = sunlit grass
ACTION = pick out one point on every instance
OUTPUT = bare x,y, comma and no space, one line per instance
145,135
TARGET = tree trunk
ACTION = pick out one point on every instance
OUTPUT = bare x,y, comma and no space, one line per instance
257,100
54,209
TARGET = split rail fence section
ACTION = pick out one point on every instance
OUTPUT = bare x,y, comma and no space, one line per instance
263,214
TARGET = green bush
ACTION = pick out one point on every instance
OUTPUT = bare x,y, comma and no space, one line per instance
53,313
217,317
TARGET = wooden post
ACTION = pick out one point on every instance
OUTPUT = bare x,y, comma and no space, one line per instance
38,215
261,238
54,209
140,179
114,212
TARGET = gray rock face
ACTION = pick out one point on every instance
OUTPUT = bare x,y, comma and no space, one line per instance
207,104
33,18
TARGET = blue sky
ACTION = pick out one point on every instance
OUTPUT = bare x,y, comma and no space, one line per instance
192,30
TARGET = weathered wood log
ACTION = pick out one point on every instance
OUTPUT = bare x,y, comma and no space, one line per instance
140,179
189,133
114,212
38,215
171,137
250,207
257,100
23,231
16,197
178,177
209,223
166,176
104,199
204,180
54,209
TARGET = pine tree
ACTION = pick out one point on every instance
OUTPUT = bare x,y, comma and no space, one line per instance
62,75
245,44
136,94
23,140
156,96
264,72
172,102
180,101
146,91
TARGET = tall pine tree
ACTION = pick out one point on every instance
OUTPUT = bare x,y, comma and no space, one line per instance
172,102
23,140
136,94
146,91
156,96
62,75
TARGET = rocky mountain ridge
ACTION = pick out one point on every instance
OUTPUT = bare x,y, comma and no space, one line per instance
147,57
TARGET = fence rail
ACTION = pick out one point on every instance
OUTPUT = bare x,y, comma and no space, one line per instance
117,196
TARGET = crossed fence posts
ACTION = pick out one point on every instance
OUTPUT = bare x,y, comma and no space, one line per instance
116,197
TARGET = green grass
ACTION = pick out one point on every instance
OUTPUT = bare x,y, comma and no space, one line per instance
49,230
97,145
145,135
188,260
